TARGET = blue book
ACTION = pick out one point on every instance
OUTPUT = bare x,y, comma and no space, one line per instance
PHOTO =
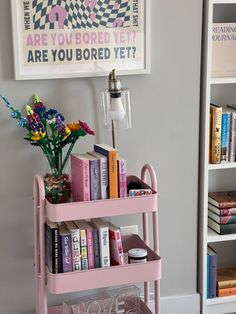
225,136
95,181
213,261
96,248
208,277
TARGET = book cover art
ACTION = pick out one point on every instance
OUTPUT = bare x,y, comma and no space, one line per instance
111,155
66,249
226,277
222,199
222,211
80,177
122,180
95,181
75,243
103,173
215,141
222,220
221,229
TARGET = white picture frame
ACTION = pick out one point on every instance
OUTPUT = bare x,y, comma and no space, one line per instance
90,39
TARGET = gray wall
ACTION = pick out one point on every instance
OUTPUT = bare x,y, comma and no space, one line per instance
165,134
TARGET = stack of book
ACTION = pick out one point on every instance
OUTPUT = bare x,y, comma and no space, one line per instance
82,245
226,281
212,261
99,174
222,134
222,212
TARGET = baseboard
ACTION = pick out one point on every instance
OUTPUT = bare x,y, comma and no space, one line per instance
183,304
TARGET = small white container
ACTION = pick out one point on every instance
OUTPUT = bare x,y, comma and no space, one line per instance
137,255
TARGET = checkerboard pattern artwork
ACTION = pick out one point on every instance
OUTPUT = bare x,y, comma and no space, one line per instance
83,13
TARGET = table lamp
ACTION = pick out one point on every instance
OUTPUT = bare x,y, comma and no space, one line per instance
115,106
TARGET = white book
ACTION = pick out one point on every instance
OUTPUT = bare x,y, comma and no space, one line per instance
103,173
75,241
103,230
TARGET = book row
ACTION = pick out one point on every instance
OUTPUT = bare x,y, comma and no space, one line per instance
220,282
99,174
82,245
222,212
222,134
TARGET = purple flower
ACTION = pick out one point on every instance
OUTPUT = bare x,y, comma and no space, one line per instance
84,126
60,126
59,115
35,123
39,107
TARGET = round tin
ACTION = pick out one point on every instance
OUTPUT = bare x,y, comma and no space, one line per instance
137,255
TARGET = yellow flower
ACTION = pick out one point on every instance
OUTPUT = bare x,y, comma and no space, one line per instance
67,133
36,136
73,126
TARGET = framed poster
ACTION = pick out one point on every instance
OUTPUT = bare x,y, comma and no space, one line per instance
79,38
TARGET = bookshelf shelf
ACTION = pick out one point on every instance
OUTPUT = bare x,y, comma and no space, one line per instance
217,90
100,277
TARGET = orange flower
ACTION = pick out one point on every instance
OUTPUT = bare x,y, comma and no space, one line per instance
73,126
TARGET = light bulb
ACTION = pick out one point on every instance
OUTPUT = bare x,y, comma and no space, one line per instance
117,112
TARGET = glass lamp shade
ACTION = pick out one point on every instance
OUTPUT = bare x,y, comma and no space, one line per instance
116,109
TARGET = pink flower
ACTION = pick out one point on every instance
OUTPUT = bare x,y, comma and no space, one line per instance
86,128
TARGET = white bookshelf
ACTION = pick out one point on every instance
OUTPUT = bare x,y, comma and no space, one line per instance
214,177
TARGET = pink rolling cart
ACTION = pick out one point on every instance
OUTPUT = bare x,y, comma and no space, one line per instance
99,277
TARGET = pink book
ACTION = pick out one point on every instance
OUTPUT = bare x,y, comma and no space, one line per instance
80,177
122,182
116,246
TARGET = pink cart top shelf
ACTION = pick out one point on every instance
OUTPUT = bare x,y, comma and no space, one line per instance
100,208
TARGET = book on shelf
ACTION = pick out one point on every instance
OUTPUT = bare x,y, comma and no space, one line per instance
226,277
103,173
122,177
212,271
222,211
111,155
66,249
226,292
81,224
95,184
80,177
222,199
232,133
222,220
102,227
215,140
96,248
116,246
53,259
222,229
225,128
75,243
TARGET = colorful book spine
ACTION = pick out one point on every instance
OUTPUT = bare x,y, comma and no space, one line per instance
232,141
53,249
103,174
215,143
103,241
116,247
225,137
213,276
75,244
90,246
226,292
122,180
66,252
222,211
222,220
221,229
80,178
111,155
96,248
84,252
94,169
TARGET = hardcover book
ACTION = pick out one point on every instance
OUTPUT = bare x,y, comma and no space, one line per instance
226,277
116,246
222,199
75,243
53,260
80,177
221,229
66,249
96,248
95,181
104,247
222,211
225,292
215,140
232,132
213,261
111,155
103,174
222,220
225,136
122,173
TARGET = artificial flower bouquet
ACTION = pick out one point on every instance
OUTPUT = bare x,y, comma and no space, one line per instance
46,129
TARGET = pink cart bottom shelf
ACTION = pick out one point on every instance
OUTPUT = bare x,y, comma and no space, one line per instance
59,310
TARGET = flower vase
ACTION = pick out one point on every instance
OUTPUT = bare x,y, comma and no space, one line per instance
57,188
